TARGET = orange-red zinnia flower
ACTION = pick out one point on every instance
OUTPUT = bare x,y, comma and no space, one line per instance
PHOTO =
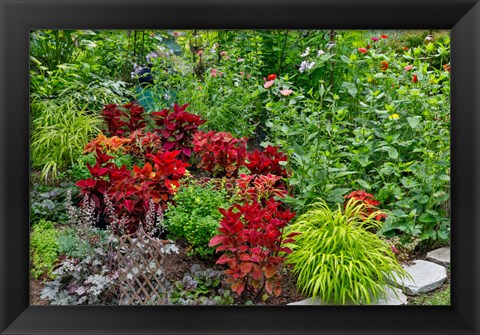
362,50
383,65
414,79
272,77
384,36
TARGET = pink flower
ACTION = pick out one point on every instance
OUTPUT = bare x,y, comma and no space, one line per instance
268,84
408,67
223,53
214,73
362,50
240,60
241,73
375,39
394,250
176,33
200,52
286,92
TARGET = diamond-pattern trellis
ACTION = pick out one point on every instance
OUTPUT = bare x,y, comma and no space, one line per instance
141,261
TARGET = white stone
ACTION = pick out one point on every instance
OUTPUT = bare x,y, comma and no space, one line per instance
394,296
426,276
440,256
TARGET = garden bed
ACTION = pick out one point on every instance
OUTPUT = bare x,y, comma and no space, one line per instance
235,167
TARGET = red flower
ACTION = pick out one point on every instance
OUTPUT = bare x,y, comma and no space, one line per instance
383,65
405,48
415,79
375,39
446,67
384,36
272,77
362,50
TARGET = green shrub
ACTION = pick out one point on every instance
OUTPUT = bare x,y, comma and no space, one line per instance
195,216
43,249
336,257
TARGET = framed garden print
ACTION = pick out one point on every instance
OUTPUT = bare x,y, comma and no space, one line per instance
157,151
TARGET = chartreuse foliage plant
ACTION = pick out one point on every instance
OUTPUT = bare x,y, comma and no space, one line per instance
44,249
337,258
194,215
59,135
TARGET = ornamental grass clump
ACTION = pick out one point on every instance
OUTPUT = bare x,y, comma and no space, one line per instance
338,259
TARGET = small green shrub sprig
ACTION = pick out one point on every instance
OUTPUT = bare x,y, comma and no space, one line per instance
195,216
44,249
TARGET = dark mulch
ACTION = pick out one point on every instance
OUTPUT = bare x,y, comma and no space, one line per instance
36,287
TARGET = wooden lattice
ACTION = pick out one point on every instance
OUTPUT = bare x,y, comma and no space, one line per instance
141,261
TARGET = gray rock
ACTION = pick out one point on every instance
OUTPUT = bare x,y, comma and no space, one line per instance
426,276
394,296
440,256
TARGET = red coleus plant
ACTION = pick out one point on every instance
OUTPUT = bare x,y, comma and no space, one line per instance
132,193
267,161
251,239
107,144
368,201
260,187
177,128
144,143
220,153
122,120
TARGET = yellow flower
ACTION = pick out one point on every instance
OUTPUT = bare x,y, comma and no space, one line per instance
394,116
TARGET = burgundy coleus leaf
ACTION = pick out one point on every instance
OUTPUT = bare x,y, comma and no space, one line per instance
246,267
129,205
169,145
86,183
217,240
245,257
286,250
224,259
187,151
238,287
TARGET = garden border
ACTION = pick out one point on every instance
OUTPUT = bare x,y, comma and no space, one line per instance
19,16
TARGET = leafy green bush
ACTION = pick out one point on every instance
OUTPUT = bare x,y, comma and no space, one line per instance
195,216
59,135
337,259
43,249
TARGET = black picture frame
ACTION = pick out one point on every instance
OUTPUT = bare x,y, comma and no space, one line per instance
17,17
